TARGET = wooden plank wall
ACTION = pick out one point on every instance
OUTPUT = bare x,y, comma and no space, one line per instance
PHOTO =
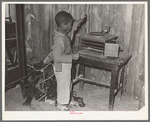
38,27
125,20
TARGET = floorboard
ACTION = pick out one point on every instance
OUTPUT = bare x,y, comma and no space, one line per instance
95,98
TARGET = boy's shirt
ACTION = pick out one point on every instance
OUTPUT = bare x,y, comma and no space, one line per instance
62,52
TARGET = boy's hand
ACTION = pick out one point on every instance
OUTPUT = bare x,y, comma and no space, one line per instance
75,56
77,23
39,65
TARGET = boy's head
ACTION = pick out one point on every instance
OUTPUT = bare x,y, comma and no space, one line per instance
65,20
63,17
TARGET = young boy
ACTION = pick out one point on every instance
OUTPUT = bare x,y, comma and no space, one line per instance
62,57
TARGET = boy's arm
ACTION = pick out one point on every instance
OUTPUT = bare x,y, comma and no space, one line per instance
76,24
49,58
43,63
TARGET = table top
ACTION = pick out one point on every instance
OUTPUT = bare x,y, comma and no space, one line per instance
100,60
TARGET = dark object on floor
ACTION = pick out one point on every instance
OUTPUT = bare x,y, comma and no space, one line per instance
80,102
74,94
78,99
28,101
37,86
55,103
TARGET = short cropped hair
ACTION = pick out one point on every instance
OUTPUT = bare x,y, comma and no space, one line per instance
63,17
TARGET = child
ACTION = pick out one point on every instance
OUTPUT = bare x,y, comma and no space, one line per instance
62,57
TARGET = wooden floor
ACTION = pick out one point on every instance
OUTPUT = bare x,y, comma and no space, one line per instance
95,98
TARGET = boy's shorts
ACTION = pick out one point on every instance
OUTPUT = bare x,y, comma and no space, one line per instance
64,83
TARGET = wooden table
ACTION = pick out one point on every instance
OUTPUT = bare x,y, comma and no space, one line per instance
112,64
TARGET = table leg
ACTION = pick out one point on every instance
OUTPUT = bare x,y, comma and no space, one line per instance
82,71
122,80
73,71
114,80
